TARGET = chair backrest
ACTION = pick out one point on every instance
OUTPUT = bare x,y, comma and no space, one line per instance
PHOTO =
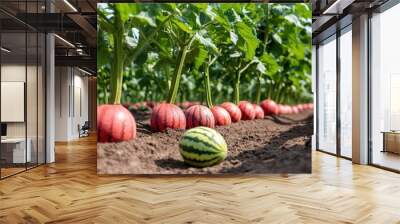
86,125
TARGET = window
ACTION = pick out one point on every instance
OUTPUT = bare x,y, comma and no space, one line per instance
385,89
327,95
346,92
22,77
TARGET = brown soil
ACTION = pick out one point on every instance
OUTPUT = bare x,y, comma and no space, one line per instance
272,145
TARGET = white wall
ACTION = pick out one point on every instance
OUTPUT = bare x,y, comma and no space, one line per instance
13,73
70,83
33,126
62,82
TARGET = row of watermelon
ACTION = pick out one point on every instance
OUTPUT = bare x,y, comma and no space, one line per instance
115,123
281,109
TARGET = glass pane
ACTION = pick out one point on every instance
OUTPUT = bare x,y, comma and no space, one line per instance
41,99
386,89
327,96
32,97
13,86
346,93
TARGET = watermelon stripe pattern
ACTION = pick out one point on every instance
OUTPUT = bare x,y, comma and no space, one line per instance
233,111
269,107
259,111
115,123
199,115
221,116
166,116
247,109
203,147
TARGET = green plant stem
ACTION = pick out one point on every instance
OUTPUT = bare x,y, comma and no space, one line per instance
117,66
258,90
105,95
146,93
237,81
266,30
207,87
237,89
173,90
207,82
281,91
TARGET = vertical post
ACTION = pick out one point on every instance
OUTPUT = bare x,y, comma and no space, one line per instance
360,90
0,95
26,90
315,93
369,53
338,76
50,93
317,97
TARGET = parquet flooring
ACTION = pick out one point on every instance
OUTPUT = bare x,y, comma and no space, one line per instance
69,191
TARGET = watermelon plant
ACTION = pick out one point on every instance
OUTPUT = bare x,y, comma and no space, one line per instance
114,122
220,115
252,51
188,39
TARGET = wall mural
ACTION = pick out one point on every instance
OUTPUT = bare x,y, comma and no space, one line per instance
204,88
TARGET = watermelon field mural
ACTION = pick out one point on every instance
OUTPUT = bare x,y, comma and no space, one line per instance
204,88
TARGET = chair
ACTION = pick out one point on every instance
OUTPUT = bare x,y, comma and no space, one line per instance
84,130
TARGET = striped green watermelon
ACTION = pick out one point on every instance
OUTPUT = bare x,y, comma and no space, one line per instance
202,147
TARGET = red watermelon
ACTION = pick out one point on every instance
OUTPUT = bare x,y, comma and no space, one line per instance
167,115
221,116
198,115
247,109
270,107
283,109
233,111
295,109
115,123
259,111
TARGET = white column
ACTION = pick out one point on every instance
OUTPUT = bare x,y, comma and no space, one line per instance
50,100
314,91
360,90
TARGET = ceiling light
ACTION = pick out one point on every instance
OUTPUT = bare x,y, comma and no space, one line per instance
79,51
65,41
84,71
5,50
70,5
337,7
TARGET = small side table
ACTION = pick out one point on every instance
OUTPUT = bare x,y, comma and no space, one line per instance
391,141
15,149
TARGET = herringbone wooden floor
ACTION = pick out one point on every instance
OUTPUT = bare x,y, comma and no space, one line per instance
69,191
